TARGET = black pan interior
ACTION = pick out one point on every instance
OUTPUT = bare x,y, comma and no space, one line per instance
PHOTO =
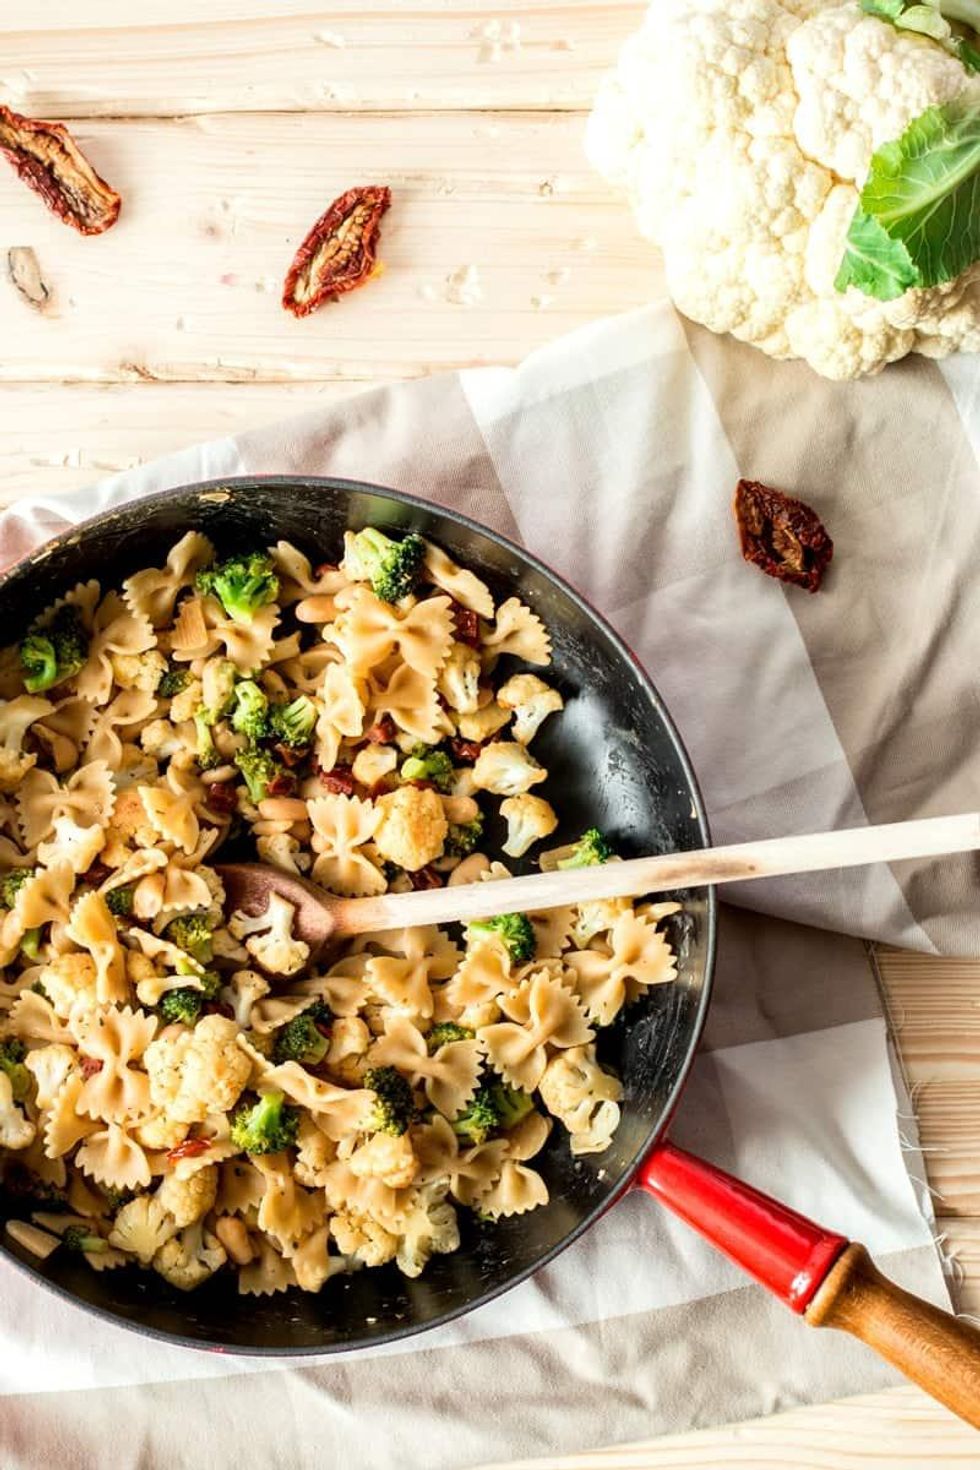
614,761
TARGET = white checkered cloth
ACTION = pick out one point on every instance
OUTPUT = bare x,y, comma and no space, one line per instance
613,455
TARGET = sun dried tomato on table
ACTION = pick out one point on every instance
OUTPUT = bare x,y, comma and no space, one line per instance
339,253
49,160
781,535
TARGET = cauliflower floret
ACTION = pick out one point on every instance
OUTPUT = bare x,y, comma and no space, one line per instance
483,722
129,820
70,980
269,937
15,1130
595,917
190,1198
528,818
197,1072
507,769
532,701
141,1228
281,851
373,762
160,739
575,1089
14,766
50,1066
459,679
314,1154
242,991
160,1133
346,1059
363,1238
189,1258
186,702
430,1229
387,1157
413,827
138,670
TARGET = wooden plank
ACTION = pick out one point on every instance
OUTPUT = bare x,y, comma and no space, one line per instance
499,238
57,438
157,59
899,1429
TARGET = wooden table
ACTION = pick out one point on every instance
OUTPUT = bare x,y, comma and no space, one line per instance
228,127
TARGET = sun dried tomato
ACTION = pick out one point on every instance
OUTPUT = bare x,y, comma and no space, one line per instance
426,878
283,783
466,625
781,535
222,798
465,752
191,1148
96,873
339,251
339,780
382,732
291,755
49,160
89,1066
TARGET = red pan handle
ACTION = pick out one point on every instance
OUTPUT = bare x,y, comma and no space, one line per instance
818,1273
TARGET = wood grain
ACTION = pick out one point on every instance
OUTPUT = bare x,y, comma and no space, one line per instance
97,59
222,196
186,286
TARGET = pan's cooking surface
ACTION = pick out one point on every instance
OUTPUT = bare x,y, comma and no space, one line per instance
614,761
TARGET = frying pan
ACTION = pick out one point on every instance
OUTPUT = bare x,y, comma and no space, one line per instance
617,762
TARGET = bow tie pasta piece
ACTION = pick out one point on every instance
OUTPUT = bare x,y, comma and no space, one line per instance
639,957
115,629
339,1111
554,1018
287,1212
368,631
342,713
64,1125
93,928
341,826
267,1273
297,578
65,732
449,1077
483,976
462,586
152,593
88,795
33,1018
404,979
116,1092
409,698
520,632
173,817
130,708
73,844
16,718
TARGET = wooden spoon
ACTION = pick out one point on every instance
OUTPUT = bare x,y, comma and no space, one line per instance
321,917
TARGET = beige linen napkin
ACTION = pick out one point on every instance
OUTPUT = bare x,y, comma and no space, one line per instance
613,455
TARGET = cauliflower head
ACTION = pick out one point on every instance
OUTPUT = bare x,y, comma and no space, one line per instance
528,818
141,1228
363,1238
268,937
413,827
188,1259
743,132
189,1199
197,1072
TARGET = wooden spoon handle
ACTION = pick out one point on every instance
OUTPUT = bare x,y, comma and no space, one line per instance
777,856
939,1352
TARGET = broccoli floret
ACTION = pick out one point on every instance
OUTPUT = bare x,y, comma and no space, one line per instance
208,755
11,883
392,567
30,942
293,723
193,934
184,1003
464,837
445,1031
77,1238
394,1106
264,1125
250,711
494,1107
53,654
12,1053
119,901
515,930
304,1039
116,1198
242,584
259,768
428,764
172,681
590,850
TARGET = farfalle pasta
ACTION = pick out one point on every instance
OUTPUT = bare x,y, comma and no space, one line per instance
175,1076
